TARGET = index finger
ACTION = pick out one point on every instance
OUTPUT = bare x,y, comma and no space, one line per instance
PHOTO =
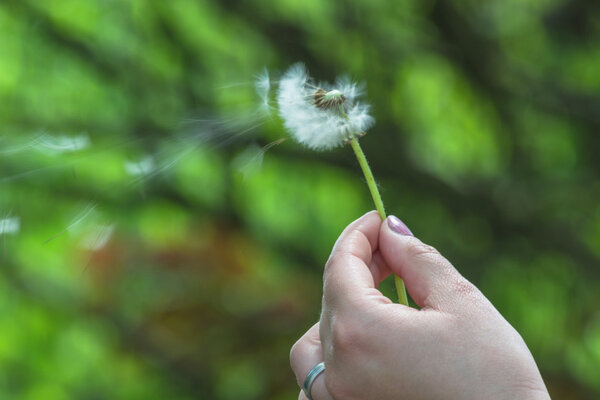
347,275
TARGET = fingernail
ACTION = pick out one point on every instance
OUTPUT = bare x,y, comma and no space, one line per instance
398,226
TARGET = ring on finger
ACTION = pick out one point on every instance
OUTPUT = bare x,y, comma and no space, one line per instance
311,377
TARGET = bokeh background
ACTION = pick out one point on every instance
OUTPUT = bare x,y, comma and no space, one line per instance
151,248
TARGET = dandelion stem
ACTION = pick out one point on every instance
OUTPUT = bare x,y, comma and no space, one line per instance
364,164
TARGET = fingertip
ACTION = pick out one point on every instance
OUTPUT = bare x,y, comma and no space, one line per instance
368,225
397,226
370,217
393,238
347,271
395,243
371,212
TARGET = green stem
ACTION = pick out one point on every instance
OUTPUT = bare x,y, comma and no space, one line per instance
364,164
362,160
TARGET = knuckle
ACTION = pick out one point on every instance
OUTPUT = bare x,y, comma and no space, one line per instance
331,290
421,250
336,257
347,337
338,387
465,289
295,352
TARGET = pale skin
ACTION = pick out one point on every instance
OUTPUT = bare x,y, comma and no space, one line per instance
457,346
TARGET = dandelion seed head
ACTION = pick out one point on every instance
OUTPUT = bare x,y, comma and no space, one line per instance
322,117
328,100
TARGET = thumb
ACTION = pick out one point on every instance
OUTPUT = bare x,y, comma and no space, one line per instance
430,279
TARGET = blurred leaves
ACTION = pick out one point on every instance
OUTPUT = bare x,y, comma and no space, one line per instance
177,251
454,132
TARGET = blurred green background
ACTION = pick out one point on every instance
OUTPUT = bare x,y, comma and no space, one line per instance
149,248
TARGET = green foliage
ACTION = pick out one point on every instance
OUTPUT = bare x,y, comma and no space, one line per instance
162,252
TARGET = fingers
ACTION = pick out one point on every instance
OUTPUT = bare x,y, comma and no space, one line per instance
379,269
430,279
304,356
352,271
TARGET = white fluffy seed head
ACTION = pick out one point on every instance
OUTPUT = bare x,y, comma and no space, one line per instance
318,125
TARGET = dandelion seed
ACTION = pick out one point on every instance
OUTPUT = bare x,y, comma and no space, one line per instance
140,168
10,226
263,88
62,144
87,211
249,162
98,237
321,117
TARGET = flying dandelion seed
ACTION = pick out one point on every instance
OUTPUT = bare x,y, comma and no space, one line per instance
222,131
62,144
9,147
85,213
243,127
145,166
10,226
263,88
97,237
249,161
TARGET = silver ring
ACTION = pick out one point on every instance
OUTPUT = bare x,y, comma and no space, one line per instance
310,378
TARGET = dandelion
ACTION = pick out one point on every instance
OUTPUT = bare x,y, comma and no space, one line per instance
322,117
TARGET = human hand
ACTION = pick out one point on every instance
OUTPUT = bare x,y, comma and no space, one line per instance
457,346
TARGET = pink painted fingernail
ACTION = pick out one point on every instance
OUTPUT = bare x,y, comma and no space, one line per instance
398,226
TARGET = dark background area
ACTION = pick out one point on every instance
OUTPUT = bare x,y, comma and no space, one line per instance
151,248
